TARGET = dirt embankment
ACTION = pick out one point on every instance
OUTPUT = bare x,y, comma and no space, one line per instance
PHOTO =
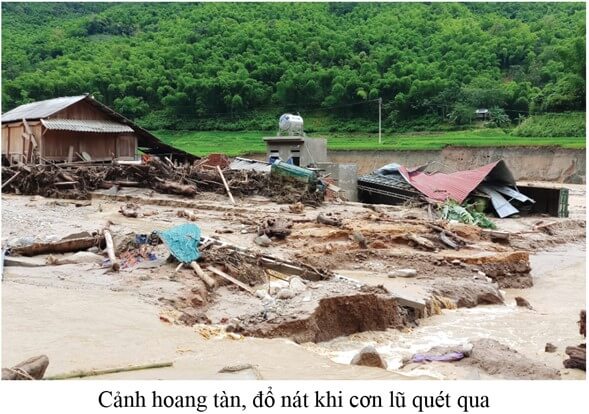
527,163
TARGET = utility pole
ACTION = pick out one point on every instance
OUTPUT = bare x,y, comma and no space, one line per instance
379,120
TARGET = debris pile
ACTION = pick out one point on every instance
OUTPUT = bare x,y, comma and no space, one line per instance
77,180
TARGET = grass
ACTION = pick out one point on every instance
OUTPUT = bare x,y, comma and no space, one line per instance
247,142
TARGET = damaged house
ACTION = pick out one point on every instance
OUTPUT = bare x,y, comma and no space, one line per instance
76,128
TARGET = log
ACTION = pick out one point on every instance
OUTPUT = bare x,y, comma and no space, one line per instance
82,373
209,281
446,240
5,183
110,249
231,279
62,246
175,188
421,241
31,369
226,185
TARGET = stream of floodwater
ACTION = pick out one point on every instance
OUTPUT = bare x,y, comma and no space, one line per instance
557,296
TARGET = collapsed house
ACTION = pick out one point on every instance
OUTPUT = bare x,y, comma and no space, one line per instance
76,128
491,185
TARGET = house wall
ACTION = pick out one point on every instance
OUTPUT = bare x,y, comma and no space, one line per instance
13,144
54,145
101,147
81,110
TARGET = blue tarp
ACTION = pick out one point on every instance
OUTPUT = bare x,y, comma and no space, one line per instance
182,242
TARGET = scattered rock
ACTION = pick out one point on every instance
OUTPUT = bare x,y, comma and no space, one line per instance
519,301
275,227
549,347
297,207
285,293
329,219
369,357
296,285
456,262
31,369
403,273
468,293
359,238
263,240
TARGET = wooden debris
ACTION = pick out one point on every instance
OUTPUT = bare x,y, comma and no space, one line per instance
175,188
96,372
209,281
31,369
187,214
231,279
226,185
5,183
110,249
420,241
62,246
447,241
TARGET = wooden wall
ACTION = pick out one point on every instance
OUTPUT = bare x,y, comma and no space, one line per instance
81,110
101,147
54,145
13,143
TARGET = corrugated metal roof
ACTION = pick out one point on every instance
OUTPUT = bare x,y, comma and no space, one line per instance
41,109
249,165
458,185
83,125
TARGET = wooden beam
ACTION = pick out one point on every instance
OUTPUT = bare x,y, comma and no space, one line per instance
231,279
226,185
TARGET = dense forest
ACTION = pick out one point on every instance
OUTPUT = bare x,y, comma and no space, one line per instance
237,66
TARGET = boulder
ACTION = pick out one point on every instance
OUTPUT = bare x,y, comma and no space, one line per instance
403,273
369,357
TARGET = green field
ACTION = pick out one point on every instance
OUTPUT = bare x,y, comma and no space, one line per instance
247,142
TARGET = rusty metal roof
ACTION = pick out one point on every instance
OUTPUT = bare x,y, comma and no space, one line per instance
84,125
458,185
41,109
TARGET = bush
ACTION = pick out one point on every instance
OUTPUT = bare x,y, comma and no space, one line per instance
568,124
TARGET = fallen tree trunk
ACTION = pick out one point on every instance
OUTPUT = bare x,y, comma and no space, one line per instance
31,369
231,279
62,246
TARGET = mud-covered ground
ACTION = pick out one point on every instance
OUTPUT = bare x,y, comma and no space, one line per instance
78,314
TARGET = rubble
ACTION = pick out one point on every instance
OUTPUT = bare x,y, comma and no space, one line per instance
78,180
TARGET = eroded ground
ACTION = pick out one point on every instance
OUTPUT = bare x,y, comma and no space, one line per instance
83,316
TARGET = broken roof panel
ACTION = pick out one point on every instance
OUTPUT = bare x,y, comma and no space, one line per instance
458,185
84,125
41,109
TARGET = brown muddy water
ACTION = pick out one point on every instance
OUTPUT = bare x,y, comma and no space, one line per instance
98,328
557,296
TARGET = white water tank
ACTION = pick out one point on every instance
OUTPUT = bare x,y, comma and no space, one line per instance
293,124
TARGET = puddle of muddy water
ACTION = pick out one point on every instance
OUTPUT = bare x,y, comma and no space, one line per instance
557,296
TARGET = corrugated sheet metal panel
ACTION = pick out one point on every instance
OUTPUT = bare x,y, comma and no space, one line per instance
80,125
456,186
41,109
249,165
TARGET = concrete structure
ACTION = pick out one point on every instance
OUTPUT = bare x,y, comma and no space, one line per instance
298,150
75,127
345,176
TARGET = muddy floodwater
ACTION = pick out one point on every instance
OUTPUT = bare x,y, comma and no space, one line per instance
557,295
100,329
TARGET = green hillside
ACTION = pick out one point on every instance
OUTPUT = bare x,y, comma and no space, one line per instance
223,66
